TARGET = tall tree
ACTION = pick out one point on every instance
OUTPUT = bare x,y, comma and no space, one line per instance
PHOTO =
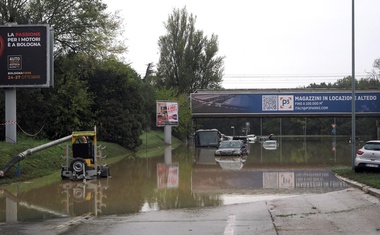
79,25
61,109
375,74
119,103
83,33
188,59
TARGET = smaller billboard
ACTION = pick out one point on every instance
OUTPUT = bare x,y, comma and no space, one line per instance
167,113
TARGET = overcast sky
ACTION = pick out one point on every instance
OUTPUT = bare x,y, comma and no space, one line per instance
266,43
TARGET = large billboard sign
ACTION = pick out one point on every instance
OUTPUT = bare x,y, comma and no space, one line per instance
167,113
26,56
283,103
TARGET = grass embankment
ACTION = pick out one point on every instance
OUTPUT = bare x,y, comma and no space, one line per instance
371,179
48,162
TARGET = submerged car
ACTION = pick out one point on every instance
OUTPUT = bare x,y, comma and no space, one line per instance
368,157
251,138
270,144
231,148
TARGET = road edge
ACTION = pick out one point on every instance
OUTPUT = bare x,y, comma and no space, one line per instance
365,188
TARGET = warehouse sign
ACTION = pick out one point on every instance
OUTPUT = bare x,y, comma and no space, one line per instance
284,103
26,56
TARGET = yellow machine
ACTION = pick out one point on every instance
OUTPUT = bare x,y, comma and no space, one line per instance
86,158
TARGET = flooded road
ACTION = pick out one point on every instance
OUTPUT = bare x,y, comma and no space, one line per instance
186,178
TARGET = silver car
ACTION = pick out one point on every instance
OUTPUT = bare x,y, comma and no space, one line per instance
368,157
251,138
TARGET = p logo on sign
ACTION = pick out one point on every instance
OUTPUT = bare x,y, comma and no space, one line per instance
286,102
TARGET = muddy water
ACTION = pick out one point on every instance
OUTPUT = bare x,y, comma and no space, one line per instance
185,178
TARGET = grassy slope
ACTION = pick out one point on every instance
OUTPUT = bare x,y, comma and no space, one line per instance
368,178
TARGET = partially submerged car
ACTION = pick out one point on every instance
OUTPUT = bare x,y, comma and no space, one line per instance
252,138
368,157
262,139
231,148
270,144
241,138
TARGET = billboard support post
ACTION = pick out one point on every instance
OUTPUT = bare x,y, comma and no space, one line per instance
10,115
168,134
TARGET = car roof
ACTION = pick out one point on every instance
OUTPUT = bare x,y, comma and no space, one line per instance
373,141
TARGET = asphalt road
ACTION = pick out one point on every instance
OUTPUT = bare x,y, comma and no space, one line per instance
350,211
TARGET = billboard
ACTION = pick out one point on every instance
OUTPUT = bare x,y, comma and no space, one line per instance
284,103
26,56
167,113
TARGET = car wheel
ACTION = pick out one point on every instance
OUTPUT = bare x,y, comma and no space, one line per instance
358,170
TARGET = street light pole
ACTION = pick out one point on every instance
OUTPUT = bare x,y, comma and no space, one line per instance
353,137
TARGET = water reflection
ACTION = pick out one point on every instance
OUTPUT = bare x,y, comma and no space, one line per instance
302,152
84,197
259,182
185,178
230,162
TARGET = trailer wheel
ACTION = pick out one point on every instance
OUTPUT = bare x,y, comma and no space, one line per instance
78,165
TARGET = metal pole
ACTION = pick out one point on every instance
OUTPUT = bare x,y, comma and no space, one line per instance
353,137
10,115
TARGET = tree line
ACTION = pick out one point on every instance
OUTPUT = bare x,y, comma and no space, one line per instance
93,86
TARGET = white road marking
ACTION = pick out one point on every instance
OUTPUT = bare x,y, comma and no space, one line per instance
230,227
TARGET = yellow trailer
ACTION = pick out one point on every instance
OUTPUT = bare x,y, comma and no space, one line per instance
85,162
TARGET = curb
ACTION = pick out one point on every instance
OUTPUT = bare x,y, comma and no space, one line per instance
365,188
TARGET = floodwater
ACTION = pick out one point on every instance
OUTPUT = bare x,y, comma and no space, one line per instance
186,177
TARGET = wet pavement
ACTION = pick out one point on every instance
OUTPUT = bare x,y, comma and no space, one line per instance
183,180
348,211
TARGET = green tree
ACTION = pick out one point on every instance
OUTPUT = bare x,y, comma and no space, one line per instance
79,25
375,74
188,59
371,82
149,95
119,103
83,33
64,108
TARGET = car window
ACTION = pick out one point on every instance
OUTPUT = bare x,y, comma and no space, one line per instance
230,144
372,146
236,145
224,144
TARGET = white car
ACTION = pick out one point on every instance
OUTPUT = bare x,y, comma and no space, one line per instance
270,144
368,157
251,138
